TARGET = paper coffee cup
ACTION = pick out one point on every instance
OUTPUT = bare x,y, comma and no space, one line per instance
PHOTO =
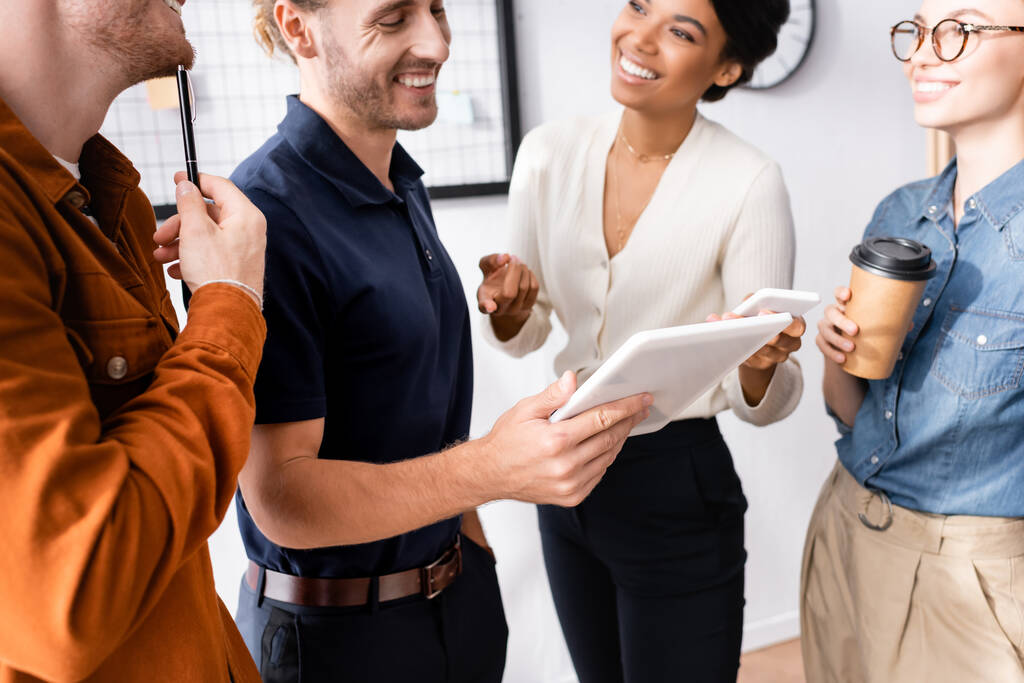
889,276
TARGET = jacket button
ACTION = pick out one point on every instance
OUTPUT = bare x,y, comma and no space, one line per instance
76,199
117,367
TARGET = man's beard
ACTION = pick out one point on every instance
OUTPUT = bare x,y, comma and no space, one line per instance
145,62
138,54
367,98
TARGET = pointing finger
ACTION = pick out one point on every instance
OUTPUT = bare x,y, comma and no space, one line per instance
510,287
492,263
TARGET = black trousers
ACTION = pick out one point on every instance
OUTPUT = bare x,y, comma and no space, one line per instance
458,637
647,573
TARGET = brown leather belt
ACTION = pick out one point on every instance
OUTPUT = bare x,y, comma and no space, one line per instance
427,581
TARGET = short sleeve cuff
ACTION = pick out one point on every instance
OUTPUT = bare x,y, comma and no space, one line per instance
296,410
841,426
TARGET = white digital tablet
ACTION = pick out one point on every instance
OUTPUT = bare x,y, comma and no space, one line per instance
676,365
789,301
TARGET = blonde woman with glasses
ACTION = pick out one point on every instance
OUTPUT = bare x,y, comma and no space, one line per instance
914,563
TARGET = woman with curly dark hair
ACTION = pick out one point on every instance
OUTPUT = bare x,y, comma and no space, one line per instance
653,216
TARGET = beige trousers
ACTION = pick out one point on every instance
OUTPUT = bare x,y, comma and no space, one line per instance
930,599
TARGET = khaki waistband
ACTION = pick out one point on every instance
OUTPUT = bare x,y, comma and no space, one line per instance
954,535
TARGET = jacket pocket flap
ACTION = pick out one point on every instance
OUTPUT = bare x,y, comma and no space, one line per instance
117,351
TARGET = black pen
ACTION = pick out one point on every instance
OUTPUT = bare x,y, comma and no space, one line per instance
187,117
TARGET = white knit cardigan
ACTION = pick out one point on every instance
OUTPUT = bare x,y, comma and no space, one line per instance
717,228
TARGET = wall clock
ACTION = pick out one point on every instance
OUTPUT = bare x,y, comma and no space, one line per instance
795,40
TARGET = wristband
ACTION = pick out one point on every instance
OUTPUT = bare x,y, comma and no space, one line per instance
227,281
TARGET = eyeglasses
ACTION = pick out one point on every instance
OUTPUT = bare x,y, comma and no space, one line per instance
949,38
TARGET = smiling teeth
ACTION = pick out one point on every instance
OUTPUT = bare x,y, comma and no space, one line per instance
416,81
174,6
634,69
932,86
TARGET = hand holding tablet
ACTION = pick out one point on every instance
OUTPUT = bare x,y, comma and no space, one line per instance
678,365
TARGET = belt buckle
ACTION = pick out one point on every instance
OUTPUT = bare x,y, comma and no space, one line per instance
427,576
889,516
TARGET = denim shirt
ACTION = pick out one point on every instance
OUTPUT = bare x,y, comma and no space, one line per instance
945,433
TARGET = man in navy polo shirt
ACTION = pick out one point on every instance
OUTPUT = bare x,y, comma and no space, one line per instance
366,381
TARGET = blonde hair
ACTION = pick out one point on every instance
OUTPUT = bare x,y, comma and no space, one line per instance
265,29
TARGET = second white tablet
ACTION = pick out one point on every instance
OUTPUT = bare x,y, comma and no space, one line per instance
676,365
789,301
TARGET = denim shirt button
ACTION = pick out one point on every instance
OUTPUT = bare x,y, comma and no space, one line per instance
874,459
971,204
899,356
932,209
926,303
982,340
888,415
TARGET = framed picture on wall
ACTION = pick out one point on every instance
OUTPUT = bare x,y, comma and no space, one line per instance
240,95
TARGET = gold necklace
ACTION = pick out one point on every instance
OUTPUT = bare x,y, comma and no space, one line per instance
643,158
618,202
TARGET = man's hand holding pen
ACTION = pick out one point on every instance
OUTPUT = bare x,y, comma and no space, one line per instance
221,243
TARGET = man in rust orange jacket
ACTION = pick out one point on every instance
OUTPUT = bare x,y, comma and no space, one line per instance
120,438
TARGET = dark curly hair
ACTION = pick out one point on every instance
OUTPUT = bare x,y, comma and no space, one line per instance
751,35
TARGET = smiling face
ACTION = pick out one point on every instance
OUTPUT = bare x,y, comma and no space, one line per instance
985,85
667,53
381,59
143,38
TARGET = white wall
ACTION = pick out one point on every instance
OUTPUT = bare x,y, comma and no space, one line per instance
842,130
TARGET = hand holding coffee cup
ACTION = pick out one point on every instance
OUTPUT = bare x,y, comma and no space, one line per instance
836,332
872,317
